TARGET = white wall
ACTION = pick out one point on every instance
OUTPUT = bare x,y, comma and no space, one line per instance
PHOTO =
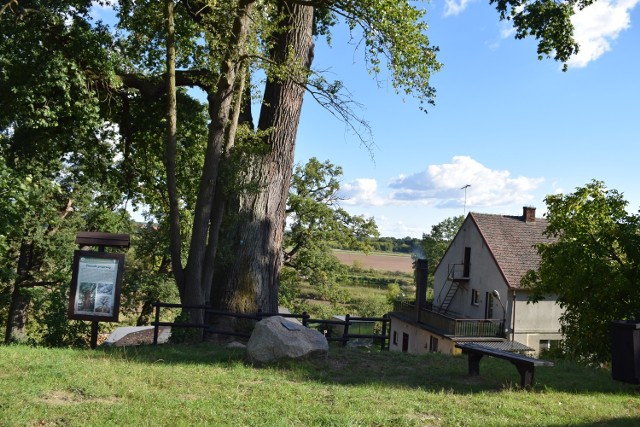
484,276
536,321
419,339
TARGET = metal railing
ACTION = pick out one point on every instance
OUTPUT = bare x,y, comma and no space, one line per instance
457,327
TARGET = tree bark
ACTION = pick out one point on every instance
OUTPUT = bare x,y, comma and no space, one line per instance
175,239
19,306
251,282
221,129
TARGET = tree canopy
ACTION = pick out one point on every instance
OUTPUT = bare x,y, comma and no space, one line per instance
592,266
436,243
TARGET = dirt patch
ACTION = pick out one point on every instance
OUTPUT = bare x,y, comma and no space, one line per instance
64,397
377,261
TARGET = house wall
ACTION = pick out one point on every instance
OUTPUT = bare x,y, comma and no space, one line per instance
419,339
536,321
484,277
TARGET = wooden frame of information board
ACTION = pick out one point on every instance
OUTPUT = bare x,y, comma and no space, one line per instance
95,286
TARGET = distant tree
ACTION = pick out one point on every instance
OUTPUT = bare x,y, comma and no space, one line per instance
435,244
593,267
317,222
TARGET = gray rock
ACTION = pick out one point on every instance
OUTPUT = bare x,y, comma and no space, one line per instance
276,338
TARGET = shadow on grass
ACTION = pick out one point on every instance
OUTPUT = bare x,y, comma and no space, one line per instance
615,422
431,372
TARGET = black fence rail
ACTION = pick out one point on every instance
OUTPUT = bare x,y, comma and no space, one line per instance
327,327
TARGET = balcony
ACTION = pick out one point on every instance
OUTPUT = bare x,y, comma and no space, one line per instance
456,273
452,326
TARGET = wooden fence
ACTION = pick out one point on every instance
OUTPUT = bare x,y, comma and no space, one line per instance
304,318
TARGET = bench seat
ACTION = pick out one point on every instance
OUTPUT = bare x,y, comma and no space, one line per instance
525,364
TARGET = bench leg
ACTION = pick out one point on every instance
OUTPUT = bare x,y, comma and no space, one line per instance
526,375
474,364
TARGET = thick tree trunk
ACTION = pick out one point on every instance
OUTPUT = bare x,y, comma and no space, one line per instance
251,282
221,129
17,318
19,306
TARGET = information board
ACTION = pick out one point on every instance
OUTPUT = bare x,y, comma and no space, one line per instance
95,286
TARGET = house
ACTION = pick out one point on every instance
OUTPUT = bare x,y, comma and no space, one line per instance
477,294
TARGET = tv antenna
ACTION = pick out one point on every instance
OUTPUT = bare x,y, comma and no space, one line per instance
465,197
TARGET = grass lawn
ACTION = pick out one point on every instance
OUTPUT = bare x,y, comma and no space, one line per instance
208,385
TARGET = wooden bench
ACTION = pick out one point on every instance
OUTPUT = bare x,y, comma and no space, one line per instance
524,364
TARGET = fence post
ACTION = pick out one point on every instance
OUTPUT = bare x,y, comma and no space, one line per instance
155,323
305,318
345,334
385,318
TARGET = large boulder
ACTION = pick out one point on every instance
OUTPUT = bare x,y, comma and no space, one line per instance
276,338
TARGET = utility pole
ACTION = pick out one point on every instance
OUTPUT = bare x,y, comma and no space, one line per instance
465,197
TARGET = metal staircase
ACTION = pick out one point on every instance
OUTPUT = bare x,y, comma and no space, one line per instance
453,288
454,284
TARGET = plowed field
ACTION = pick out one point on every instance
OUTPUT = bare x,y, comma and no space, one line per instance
377,261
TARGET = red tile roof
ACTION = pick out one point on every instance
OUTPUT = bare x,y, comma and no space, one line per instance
511,240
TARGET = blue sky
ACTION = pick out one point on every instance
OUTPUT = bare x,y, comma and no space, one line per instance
513,128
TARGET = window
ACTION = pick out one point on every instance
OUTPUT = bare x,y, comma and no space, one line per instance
395,337
475,297
548,345
433,344
467,262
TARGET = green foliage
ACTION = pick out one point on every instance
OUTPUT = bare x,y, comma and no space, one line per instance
371,307
394,292
395,36
593,266
289,289
315,219
548,21
436,243
52,327
405,245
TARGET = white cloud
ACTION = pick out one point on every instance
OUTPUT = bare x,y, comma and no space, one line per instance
507,30
455,7
441,185
399,228
597,26
362,191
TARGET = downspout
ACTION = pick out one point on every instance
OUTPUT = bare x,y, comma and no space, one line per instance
513,316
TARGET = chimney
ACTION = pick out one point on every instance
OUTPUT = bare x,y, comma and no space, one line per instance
421,273
529,214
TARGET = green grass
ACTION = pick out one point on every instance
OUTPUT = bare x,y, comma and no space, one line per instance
208,385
